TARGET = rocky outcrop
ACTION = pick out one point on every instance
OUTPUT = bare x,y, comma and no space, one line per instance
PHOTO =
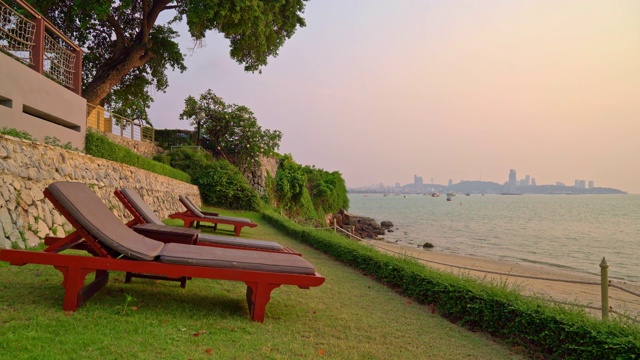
26,168
361,226
258,177
386,225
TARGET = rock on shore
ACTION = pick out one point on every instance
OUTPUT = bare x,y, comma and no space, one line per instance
361,226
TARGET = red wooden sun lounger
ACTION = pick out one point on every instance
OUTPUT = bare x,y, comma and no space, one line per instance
193,214
115,247
147,223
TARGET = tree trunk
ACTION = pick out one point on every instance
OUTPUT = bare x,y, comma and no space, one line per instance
112,71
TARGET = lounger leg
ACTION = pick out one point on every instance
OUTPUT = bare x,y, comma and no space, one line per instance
258,296
74,283
237,230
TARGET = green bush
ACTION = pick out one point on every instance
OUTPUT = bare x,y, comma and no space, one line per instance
306,193
328,189
162,158
16,133
222,184
100,146
290,183
190,160
54,141
550,330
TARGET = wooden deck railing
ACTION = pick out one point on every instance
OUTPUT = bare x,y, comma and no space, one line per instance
35,41
100,119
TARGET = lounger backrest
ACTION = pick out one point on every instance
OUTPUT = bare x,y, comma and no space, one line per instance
192,202
189,205
141,207
94,216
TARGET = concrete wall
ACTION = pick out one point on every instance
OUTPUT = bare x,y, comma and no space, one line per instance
26,168
31,102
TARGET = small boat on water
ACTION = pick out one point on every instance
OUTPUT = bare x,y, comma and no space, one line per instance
435,194
448,197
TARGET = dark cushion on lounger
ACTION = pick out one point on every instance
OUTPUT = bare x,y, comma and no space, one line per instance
229,218
191,206
239,242
235,259
95,217
166,229
194,209
141,206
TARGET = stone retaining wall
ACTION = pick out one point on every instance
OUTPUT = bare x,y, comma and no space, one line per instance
26,168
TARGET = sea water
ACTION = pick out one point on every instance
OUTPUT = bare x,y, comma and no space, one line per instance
569,232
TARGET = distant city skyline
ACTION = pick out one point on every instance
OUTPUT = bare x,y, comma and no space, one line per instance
512,183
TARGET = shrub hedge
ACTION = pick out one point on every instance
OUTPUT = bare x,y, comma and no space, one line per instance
550,330
222,184
100,146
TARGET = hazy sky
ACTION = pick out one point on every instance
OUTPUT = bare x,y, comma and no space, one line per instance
382,90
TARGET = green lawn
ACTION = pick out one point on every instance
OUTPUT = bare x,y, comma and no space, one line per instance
349,317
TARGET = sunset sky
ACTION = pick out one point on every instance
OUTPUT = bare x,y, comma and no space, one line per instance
383,90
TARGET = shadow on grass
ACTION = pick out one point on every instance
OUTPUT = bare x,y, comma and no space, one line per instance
40,288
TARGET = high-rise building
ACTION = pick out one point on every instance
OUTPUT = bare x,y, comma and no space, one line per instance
450,182
417,180
527,180
513,182
533,182
582,184
591,184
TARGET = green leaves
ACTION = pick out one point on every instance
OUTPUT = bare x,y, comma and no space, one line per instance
128,51
223,185
230,131
306,193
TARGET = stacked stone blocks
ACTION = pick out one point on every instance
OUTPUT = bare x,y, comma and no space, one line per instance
27,168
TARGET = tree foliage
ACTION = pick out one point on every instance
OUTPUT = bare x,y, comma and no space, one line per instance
222,184
128,49
230,131
328,190
306,193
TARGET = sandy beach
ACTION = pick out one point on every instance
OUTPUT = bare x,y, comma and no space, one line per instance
567,292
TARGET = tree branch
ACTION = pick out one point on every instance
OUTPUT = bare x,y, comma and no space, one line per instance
145,26
121,39
157,7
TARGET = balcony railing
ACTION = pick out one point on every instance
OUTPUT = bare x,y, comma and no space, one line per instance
34,40
110,123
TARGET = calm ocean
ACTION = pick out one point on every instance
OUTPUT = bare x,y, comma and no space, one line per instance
569,232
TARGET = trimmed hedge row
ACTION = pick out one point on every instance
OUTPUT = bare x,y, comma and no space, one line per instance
543,328
100,146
